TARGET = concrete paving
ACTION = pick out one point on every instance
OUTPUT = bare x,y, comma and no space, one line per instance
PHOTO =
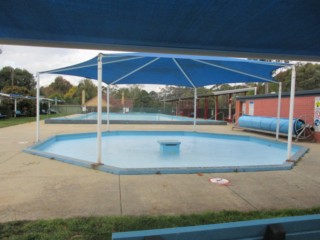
33,187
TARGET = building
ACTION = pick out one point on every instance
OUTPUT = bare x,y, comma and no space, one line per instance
306,107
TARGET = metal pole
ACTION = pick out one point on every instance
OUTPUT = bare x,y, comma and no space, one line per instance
178,108
216,108
99,110
15,107
279,110
206,108
292,94
108,107
230,106
195,109
38,108
49,108
12,76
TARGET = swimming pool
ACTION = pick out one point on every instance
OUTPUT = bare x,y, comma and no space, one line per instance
139,152
133,118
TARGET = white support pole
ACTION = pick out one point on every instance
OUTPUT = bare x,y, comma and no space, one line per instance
38,108
230,107
215,107
15,107
108,107
195,109
291,110
255,90
177,108
195,93
49,107
99,110
278,110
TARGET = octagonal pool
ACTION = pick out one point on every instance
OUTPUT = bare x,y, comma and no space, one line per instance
149,152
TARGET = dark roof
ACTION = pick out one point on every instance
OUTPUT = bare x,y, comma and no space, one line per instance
217,93
315,92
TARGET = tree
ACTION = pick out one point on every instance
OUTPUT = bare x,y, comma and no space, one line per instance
142,100
203,91
307,77
134,91
70,96
56,89
16,77
140,97
154,95
116,92
23,78
61,85
170,92
155,100
89,88
25,105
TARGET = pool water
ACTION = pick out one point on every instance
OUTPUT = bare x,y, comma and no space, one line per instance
141,150
134,118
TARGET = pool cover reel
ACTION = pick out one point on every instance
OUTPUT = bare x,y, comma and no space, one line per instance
270,124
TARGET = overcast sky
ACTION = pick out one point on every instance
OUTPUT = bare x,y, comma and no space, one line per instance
38,59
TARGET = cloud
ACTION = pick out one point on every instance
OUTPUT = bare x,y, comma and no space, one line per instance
38,59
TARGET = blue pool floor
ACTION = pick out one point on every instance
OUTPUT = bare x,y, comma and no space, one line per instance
141,150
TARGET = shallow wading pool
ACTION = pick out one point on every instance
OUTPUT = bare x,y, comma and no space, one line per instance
149,152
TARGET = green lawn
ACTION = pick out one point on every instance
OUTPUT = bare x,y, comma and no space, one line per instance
102,227
7,122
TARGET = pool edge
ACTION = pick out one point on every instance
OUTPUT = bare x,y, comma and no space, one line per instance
287,165
89,121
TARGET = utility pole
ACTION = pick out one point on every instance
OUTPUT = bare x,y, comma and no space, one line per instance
12,76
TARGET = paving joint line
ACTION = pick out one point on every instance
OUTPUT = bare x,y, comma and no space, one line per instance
11,157
250,204
305,176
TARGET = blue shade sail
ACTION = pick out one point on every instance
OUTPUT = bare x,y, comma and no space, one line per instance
237,28
165,69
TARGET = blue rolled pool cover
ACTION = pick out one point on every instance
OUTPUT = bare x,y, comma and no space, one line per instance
270,124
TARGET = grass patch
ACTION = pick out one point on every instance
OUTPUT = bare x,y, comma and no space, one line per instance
21,120
103,227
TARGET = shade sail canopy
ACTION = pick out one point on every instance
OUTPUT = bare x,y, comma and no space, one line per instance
16,96
238,28
23,97
165,69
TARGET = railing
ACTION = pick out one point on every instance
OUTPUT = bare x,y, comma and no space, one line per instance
272,228
220,113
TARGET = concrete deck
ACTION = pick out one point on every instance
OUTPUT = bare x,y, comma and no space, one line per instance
33,187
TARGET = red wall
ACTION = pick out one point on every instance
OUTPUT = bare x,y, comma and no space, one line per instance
267,107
